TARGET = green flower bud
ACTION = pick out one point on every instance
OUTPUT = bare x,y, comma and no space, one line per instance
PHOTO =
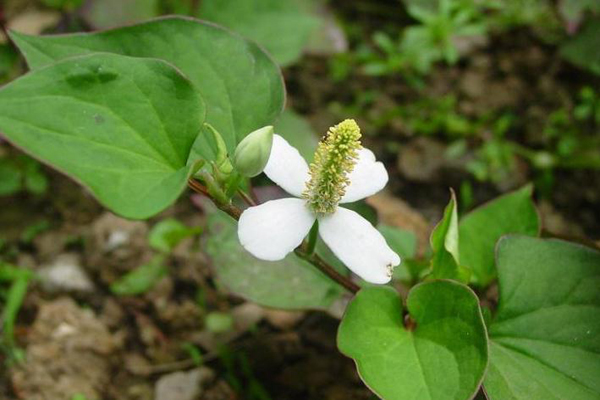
253,152
217,143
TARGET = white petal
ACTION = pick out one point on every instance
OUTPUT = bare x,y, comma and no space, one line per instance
286,167
367,178
272,230
358,245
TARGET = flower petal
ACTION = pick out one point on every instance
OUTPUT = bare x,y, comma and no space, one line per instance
367,178
272,230
358,245
286,167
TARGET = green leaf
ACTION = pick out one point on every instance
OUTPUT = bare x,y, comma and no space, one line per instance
443,358
240,84
545,342
573,10
111,122
141,279
66,5
168,233
10,178
35,180
14,300
582,50
298,132
404,243
444,244
480,230
283,27
289,284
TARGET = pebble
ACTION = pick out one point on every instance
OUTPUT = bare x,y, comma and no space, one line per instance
65,274
182,385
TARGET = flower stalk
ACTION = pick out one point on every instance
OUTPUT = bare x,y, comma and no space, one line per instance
301,251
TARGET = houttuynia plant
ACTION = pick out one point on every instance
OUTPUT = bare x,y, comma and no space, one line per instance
137,114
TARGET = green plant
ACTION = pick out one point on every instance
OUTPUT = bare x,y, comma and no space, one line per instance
440,24
137,124
12,299
21,173
571,135
163,237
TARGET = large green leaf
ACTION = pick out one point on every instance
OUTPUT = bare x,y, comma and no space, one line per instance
283,27
290,283
545,337
241,86
480,230
443,358
111,122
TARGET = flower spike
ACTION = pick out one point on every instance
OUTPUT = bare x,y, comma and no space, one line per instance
334,160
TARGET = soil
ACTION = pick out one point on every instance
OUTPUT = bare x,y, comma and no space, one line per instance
91,342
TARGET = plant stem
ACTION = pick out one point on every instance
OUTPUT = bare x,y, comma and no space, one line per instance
301,251
247,199
327,269
230,209
312,238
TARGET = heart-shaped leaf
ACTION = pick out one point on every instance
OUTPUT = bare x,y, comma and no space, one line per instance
290,283
283,27
443,358
241,85
121,126
481,228
545,341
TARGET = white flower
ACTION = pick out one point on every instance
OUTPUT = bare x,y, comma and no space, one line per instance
272,230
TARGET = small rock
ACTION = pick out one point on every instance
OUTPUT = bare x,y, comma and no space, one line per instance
182,385
33,21
65,274
283,319
116,237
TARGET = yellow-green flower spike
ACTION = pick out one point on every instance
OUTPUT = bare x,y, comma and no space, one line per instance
334,160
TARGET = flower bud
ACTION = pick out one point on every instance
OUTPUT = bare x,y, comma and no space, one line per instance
217,144
252,154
